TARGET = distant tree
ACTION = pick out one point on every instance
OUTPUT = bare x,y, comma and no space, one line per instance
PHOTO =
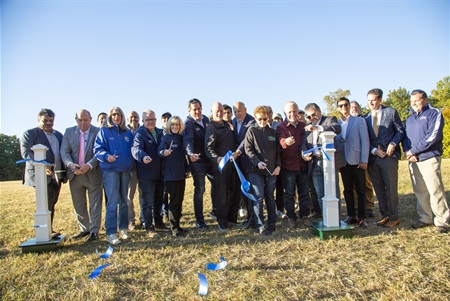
446,132
441,95
331,101
400,100
9,154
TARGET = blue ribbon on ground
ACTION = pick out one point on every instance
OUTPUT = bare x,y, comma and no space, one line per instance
203,289
217,266
32,160
98,270
106,254
225,160
321,149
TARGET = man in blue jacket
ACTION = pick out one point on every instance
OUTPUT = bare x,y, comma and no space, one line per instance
423,149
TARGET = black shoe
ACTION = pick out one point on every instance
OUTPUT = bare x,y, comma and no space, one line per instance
350,220
80,235
141,226
201,226
369,213
265,232
419,225
272,228
179,232
92,237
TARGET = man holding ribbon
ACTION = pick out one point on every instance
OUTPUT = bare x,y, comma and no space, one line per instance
220,140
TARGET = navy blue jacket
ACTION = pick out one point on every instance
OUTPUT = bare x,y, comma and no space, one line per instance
424,133
146,145
174,165
194,138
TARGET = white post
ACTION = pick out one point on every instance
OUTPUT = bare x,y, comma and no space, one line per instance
329,201
42,220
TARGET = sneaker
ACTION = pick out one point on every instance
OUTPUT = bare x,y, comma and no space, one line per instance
281,214
222,228
161,228
242,212
212,215
419,224
201,226
132,226
141,226
123,234
112,239
151,233
265,232
441,230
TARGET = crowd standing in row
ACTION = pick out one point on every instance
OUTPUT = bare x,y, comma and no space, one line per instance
270,152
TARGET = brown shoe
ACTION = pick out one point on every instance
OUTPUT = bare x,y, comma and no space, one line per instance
382,221
392,223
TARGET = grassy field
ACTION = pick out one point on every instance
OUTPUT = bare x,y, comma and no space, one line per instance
376,264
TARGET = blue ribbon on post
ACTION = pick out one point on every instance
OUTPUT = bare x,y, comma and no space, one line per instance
32,160
320,148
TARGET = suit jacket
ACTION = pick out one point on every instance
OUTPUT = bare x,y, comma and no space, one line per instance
70,148
329,124
390,129
29,139
355,146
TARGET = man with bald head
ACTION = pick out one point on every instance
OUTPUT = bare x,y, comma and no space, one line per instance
84,174
219,140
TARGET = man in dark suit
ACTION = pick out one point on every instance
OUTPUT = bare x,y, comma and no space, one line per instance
353,144
385,133
241,122
317,123
84,174
46,135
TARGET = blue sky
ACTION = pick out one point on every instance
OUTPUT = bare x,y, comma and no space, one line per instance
68,55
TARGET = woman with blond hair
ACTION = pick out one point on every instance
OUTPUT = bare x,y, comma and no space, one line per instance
175,171
113,149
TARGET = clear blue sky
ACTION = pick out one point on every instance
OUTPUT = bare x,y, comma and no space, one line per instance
68,55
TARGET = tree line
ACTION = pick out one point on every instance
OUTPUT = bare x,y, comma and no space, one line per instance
398,99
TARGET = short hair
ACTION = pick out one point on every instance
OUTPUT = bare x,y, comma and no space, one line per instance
46,112
227,107
264,110
289,103
147,112
122,126
194,100
81,112
343,98
421,92
312,105
301,112
174,119
166,115
377,92
100,114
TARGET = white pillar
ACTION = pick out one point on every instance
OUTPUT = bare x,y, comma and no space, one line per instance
42,220
329,201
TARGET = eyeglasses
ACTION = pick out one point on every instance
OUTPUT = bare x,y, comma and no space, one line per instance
262,119
311,116
135,117
343,105
150,119
116,114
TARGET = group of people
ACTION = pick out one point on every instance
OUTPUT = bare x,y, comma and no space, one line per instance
270,152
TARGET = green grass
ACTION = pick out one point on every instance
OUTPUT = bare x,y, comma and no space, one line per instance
376,264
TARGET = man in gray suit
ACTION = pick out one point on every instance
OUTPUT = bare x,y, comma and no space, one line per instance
84,174
353,144
385,133
46,135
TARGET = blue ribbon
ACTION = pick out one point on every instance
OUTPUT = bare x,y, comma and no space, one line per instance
203,289
225,160
245,185
330,145
98,270
217,266
105,255
32,160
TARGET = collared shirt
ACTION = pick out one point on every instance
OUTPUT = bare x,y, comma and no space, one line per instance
200,123
239,124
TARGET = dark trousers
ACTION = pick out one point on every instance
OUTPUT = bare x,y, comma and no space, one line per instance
53,189
354,178
295,181
175,190
199,171
148,188
226,196
279,193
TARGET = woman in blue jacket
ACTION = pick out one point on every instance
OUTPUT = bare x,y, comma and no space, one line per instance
175,171
113,149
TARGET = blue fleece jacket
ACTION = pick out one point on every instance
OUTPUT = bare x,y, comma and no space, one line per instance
174,165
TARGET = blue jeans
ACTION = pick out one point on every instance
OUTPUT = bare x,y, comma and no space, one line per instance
199,171
291,181
116,187
148,188
263,188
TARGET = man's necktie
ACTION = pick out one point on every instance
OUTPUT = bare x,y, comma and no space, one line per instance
81,152
375,122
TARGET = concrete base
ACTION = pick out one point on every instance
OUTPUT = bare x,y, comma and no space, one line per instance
31,246
324,232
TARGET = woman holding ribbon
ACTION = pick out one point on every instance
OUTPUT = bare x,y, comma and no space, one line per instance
261,147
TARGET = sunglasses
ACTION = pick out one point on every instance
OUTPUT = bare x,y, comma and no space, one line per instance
150,119
116,114
262,119
343,105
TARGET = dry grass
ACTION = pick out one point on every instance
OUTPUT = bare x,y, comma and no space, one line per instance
377,264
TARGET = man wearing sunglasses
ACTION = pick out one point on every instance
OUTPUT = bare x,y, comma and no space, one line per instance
423,149
316,124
